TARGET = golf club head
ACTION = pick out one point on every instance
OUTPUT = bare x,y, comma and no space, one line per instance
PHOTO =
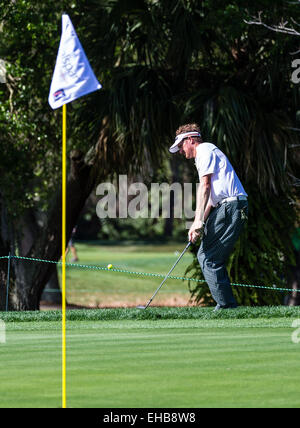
141,307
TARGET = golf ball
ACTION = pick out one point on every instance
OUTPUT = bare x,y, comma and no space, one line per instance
109,266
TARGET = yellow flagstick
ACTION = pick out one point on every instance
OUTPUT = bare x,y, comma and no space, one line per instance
76,84
64,170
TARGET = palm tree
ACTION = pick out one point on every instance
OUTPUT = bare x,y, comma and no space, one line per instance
161,64
239,89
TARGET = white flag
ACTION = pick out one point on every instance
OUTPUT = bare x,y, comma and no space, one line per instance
73,76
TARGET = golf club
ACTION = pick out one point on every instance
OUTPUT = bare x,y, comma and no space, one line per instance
146,306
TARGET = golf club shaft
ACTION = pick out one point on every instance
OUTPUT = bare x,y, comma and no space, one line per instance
187,246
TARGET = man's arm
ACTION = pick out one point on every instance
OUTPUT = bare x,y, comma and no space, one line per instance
202,207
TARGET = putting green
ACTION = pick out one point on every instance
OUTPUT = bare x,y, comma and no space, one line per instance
160,363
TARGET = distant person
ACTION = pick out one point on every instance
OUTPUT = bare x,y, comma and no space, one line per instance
221,210
71,246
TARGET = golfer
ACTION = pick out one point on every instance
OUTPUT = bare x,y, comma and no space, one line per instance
221,210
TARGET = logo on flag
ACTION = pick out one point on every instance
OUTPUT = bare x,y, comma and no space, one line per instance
72,70
58,94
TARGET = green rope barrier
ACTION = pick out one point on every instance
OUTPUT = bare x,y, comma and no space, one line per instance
93,267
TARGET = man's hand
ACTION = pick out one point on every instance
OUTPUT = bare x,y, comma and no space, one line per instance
196,231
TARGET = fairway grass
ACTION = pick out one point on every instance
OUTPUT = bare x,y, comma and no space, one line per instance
211,361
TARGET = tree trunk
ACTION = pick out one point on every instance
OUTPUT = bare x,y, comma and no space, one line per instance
4,251
53,296
30,277
3,278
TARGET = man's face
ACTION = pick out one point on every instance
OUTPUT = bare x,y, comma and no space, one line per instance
187,148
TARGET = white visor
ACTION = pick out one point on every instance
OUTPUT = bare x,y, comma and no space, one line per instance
180,137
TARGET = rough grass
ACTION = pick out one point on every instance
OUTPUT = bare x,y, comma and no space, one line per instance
155,313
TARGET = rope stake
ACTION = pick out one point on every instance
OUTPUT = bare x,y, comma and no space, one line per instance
8,280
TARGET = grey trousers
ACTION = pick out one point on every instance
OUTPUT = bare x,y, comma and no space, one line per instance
223,227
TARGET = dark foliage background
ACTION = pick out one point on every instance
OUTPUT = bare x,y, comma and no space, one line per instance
161,64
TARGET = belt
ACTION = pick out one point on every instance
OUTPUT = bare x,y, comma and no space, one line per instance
232,198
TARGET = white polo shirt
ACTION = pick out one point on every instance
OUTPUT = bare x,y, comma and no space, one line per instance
224,181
